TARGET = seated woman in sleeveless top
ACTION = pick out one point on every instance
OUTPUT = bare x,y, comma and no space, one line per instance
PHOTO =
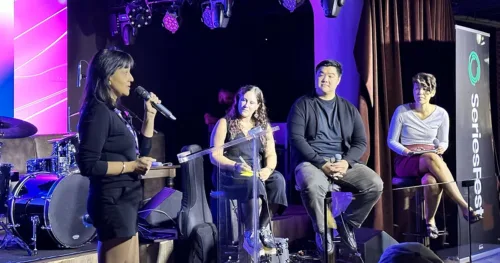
422,126
249,111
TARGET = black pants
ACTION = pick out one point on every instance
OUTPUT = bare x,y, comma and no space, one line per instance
273,190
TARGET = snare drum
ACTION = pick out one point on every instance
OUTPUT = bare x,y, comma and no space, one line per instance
60,203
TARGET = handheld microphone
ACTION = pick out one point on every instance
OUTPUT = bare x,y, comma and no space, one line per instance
436,142
144,94
79,75
338,157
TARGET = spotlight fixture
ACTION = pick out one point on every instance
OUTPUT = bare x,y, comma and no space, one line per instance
291,5
120,26
138,13
332,7
216,13
172,19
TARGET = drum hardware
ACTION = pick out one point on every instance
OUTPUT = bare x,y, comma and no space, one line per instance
87,221
64,154
59,203
45,208
62,160
35,221
5,175
11,128
10,237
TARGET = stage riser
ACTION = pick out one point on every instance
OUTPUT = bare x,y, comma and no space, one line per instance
149,253
294,226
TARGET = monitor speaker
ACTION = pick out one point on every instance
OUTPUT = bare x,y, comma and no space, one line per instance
162,209
372,243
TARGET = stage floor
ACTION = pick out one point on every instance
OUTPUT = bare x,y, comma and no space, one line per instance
15,254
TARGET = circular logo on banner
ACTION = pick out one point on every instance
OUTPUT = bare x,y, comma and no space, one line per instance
474,78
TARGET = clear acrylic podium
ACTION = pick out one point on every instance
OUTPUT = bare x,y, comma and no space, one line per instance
236,218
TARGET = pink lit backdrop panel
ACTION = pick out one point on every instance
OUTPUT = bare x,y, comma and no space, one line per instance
6,57
40,64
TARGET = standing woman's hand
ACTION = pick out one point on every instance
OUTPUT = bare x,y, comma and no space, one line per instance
143,164
148,108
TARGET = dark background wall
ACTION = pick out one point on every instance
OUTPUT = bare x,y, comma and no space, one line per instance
264,45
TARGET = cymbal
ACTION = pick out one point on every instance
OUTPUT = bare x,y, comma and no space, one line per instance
65,137
71,134
11,128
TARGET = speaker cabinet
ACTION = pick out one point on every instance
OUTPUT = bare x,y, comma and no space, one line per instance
371,244
162,209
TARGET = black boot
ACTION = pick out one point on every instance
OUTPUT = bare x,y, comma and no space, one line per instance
266,237
346,234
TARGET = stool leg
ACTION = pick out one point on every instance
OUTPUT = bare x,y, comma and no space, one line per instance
445,230
418,216
327,257
325,212
421,233
243,256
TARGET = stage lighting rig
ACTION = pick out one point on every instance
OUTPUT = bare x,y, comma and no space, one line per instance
172,19
139,13
216,13
120,26
291,5
332,7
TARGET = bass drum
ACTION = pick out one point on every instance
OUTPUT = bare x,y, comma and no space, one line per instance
60,203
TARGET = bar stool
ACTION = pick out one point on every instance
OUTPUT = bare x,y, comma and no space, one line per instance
338,201
406,189
226,214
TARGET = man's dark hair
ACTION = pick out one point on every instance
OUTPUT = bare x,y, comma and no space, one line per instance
330,63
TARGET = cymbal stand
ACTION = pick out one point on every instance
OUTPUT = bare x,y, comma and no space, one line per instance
4,225
10,237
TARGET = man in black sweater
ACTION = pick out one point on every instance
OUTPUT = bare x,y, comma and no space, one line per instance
328,139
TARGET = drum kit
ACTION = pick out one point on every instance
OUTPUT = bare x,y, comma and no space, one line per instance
47,206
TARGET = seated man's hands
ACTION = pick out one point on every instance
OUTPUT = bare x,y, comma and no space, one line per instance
335,170
340,166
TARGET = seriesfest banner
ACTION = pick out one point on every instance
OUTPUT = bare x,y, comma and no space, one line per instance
474,137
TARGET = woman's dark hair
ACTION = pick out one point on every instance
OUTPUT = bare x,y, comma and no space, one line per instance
259,116
104,64
426,81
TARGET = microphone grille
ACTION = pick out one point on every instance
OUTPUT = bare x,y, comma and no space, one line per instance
141,92
436,142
